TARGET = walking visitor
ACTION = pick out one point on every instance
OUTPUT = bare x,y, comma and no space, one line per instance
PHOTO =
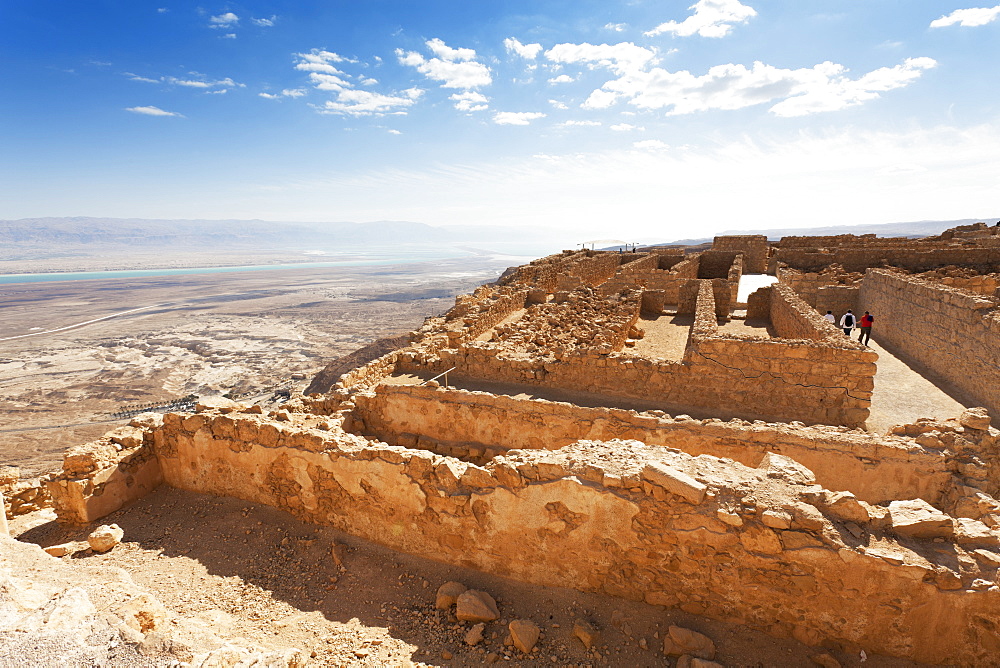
866,327
847,322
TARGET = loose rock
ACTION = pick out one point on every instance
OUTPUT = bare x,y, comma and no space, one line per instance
475,634
447,595
586,632
524,633
679,641
476,606
105,537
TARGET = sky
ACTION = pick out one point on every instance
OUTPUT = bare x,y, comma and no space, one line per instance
652,119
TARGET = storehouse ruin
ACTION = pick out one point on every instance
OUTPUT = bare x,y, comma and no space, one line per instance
626,423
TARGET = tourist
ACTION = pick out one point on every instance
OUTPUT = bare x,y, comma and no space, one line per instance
866,327
847,322
831,317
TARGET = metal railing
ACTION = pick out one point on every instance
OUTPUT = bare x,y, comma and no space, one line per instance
445,374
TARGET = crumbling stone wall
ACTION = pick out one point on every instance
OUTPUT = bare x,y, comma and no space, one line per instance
22,495
915,257
591,270
753,247
792,318
810,285
987,285
475,426
760,546
669,273
715,264
953,333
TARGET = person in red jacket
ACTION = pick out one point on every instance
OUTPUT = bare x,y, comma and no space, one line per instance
866,328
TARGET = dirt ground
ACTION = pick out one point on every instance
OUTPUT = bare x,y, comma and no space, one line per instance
258,573
206,334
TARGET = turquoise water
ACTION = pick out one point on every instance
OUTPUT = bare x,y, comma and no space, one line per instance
370,256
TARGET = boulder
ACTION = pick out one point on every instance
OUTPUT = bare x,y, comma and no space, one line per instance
975,418
586,632
524,633
786,468
918,519
476,606
105,537
845,506
675,482
680,641
475,634
447,595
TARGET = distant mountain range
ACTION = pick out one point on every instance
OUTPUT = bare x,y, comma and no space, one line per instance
245,233
922,228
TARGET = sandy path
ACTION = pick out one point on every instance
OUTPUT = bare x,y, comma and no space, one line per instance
902,395
665,336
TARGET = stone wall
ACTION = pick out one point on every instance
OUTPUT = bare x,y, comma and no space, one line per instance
912,258
952,333
792,318
475,426
22,496
715,264
590,271
754,248
668,273
758,546
808,285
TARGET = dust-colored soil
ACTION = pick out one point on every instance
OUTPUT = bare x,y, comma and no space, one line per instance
665,336
758,329
902,394
258,573
244,332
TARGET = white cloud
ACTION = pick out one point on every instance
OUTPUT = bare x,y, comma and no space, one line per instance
651,145
162,10
152,111
288,92
228,35
470,101
824,87
264,23
558,105
354,102
329,81
394,132
711,18
136,77
455,68
616,27
619,58
562,78
625,127
224,20
221,91
318,60
526,51
516,117
969,18
445,52
586,124
367,81
203,83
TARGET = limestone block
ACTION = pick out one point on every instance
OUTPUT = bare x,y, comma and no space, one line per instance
805,516
776,519
780,466
448,593
476,606
973,532
586,632
680,641
975,418
918,519
524,633
675,482
105,537
60,550
845,506
760,540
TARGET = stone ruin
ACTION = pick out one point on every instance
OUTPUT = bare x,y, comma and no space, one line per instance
560,448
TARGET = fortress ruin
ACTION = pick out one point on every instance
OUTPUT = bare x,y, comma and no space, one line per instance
623,423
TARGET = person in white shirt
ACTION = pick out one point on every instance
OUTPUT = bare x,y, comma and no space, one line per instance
847,322
831,317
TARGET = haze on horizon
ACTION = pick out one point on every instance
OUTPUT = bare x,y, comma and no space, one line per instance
636,118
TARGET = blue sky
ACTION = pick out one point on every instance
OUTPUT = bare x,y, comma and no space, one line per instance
611,118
